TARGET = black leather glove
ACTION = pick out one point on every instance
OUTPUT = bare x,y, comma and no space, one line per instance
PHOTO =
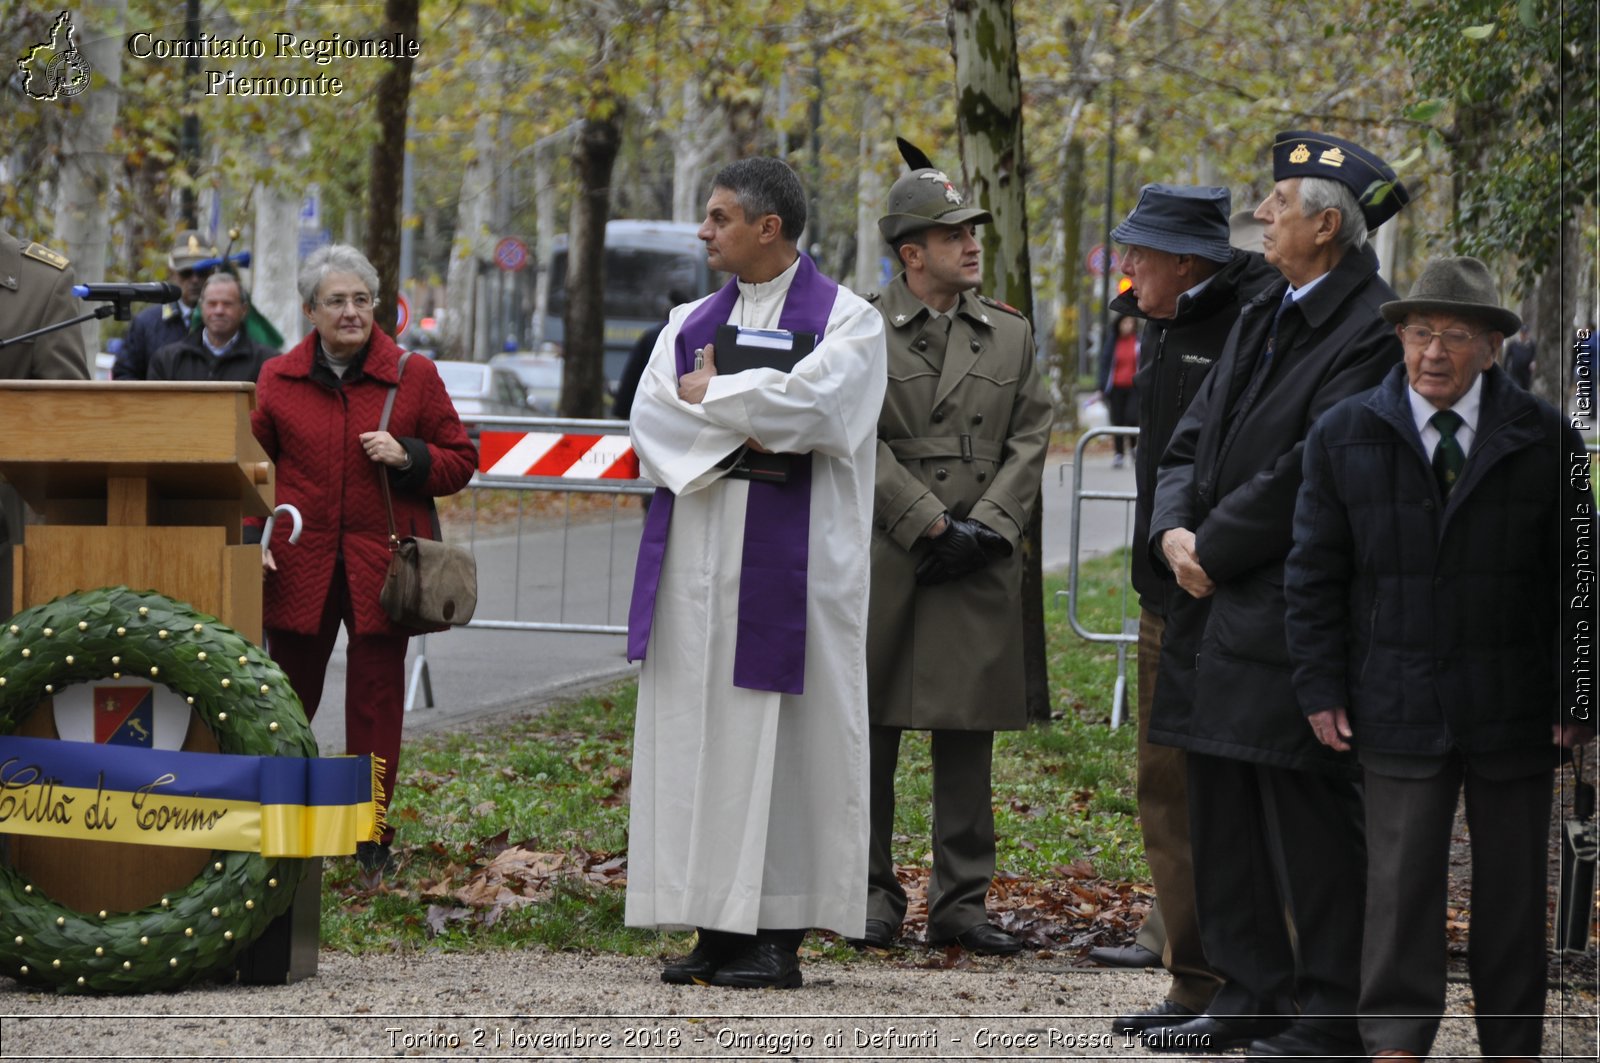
953,553
994,544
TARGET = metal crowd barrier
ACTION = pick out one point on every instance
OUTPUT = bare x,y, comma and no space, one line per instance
1128,635
569,456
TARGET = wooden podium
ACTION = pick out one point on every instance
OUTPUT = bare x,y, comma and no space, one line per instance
143,484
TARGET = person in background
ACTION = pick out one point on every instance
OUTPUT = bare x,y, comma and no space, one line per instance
639,357
317,413
1520,357
1434,613
1119,360
220,349
156,326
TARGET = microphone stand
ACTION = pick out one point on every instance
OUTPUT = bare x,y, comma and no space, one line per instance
121,307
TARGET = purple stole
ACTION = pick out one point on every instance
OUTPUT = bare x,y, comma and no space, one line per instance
770,645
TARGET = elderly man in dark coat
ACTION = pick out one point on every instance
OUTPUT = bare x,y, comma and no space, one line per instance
1432,610
961,447
1188,286
1274,817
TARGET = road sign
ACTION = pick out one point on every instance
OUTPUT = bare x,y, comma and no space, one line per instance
1097,260
402,308
511,254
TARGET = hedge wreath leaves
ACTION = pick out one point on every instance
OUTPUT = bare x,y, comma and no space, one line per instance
249,707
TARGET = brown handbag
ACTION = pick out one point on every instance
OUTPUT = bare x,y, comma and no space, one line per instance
429,584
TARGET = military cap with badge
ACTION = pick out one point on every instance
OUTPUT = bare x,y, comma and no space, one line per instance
1296,153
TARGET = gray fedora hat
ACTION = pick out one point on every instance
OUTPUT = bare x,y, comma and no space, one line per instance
1180,220
1455,286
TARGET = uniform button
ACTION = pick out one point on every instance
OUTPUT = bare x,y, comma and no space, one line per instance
976,346
938,416
922,344
977,418
941,474
982,476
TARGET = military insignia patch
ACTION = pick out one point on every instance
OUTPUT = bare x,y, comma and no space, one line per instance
1300,154
952,195
1332,157
41,253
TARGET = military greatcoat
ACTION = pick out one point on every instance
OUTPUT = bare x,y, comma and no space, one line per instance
964,430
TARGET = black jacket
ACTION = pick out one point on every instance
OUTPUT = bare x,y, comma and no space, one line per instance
1231,474
1174,357
1437,624
189,359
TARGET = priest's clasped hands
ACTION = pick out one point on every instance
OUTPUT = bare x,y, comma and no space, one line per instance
692,385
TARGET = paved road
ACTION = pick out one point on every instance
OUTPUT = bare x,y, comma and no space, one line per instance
475,672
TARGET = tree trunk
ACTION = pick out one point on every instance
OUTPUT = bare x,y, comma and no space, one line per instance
983,40
1554,301
1069,326
83,207
472,224
387,171
869,198
594,154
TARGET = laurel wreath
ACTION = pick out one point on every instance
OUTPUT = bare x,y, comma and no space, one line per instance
250,708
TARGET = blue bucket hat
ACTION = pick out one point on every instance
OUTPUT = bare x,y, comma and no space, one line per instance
1181,220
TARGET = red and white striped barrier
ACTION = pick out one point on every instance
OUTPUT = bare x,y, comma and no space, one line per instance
557,455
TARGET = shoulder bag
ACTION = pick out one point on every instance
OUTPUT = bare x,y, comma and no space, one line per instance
429,584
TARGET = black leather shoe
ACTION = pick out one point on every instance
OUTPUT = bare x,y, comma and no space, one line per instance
764,965
880,935
1306,1041
987,940
1207,1034
711,951
1167,1013
1134,955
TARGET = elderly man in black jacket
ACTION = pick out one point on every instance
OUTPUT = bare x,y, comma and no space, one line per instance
221,349
1188,285
1274,817
1432,608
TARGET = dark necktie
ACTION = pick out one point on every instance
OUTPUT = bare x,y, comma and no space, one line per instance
1447,456
1272,336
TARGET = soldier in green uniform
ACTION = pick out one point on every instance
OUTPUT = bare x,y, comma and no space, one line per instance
35,291
961,449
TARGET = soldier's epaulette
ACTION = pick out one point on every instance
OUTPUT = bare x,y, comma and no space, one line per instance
998,305
41,253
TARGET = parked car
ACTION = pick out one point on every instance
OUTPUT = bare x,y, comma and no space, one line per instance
540,375
480,390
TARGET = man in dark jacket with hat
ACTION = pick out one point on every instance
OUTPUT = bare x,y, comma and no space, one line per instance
155,327
1432,612
1267,803
1188,285
961,448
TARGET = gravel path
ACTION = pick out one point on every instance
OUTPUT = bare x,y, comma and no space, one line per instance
536,1004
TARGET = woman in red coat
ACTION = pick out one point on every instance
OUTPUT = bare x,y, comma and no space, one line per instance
317,413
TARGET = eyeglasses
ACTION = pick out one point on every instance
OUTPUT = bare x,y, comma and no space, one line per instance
362,303
1455,340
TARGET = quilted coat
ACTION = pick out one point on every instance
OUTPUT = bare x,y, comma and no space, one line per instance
311,431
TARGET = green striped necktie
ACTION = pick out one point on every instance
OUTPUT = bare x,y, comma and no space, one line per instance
1447,456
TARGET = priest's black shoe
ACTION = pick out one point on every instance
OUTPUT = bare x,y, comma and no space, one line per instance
1167,1013
1135,955
764,965
987,940
880,935
1307,1041
712,949
1206,1034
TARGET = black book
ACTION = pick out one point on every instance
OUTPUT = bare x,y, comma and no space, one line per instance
739,349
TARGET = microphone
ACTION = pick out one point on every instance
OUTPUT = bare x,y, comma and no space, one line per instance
154,292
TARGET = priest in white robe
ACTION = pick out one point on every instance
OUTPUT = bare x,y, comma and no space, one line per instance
749,798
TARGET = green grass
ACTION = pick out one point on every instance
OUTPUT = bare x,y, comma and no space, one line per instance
556,783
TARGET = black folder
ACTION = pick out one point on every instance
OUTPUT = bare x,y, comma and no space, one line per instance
739,349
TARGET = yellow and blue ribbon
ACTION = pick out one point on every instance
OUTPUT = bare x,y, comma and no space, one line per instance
275,806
